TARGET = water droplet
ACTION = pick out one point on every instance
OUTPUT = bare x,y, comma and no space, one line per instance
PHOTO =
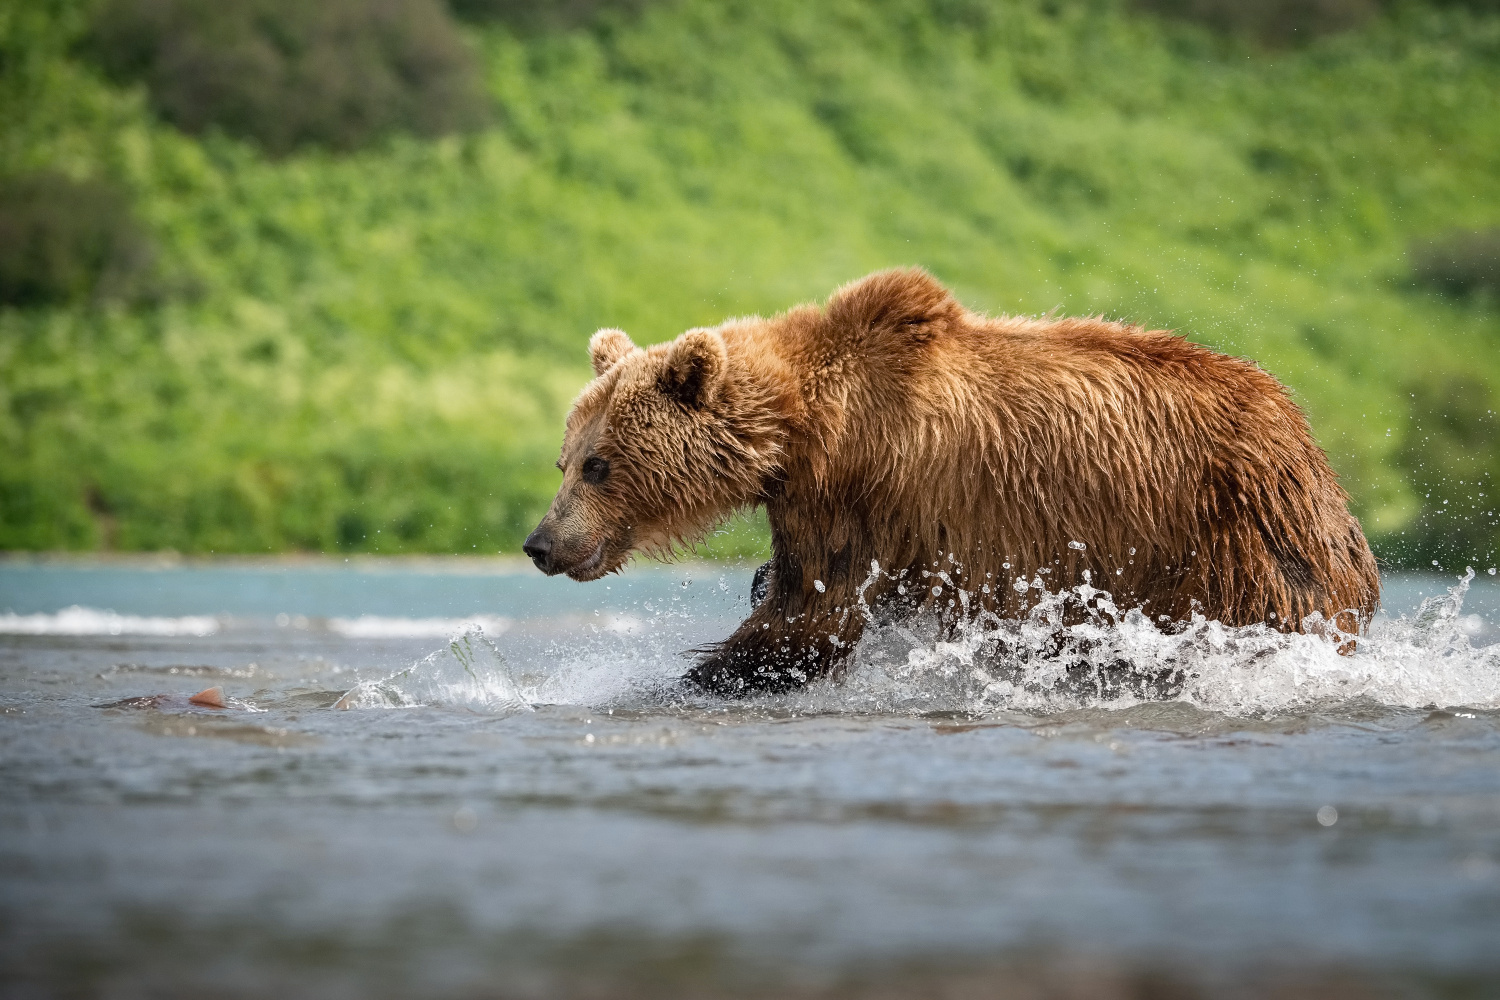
589,738
818,586
1328,815
1077,546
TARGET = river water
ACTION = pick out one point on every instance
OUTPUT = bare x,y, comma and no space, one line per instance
466,780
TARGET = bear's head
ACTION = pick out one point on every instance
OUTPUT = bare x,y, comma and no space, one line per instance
664,443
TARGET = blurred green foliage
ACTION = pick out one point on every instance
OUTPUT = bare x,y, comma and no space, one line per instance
64,241
543,15
1273,22
1460,263
376,349
1280,23
290,73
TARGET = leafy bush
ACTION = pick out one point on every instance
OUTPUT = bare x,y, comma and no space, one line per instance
540,14
65,241
1459,262
1276,22
1478,6
289,73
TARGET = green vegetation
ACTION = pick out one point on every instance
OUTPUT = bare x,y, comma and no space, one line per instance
288,73
64,241
1461,263
372,350
1273,22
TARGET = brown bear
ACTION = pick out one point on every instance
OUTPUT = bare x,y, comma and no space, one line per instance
894,436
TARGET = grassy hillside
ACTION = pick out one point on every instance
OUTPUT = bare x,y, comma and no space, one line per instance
373,350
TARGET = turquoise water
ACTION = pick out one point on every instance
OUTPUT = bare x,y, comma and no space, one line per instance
326,589
540,810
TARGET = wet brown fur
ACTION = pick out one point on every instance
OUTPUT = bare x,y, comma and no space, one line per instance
895,427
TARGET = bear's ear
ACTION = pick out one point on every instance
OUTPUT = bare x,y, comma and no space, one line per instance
901,299
606,347
697,364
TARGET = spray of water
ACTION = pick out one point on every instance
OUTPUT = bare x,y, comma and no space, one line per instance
1052,661
1075,649
469,673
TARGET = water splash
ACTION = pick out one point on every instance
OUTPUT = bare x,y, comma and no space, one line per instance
625,660
1112,659
1075,649
469,673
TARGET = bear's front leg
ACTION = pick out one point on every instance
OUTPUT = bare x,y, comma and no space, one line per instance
786,642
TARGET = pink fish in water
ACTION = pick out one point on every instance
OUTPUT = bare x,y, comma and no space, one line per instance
209,698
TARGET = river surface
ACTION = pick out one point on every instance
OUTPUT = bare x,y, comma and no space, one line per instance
466,780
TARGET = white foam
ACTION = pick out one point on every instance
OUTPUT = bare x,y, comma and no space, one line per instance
624,659
1426,660
1112,660
468,673
381,627
78,620
624,624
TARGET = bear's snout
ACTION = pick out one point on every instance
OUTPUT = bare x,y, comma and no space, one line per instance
555,550
538,547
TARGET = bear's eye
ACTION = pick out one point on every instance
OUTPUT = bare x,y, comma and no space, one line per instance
595,469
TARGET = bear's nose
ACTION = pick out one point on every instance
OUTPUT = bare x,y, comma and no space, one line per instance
538,546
